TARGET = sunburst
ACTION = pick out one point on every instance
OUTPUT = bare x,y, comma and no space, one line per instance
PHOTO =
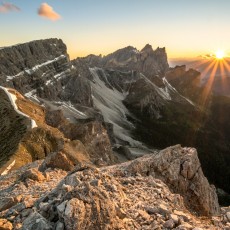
220,54
218,67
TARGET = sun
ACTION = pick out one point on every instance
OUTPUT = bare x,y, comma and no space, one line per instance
220,54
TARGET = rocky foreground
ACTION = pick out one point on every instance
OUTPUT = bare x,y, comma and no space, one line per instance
166,190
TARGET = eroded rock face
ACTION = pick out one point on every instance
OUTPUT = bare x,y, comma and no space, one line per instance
22,142
32,66
57,160
187,82
32,174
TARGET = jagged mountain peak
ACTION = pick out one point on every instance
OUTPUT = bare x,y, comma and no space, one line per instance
147,61
122,54
148,49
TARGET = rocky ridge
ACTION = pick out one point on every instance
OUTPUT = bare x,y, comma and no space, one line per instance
132,195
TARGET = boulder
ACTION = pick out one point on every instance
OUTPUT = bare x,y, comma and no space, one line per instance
32,174
5,225
57,160
36,222
169,224
7,202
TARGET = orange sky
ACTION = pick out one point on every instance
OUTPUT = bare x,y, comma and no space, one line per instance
186,28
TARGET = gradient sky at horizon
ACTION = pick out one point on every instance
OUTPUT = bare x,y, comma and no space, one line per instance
186,28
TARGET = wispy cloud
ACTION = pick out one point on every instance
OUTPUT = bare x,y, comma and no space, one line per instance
6,7
47,11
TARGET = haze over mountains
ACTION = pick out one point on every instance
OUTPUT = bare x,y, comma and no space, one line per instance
209,67
99,111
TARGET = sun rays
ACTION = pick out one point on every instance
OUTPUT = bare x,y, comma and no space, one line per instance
217,66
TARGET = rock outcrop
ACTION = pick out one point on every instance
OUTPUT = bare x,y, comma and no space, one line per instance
180,169
41,71
132,195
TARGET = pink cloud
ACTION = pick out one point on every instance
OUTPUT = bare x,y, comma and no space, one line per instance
47,11
6,7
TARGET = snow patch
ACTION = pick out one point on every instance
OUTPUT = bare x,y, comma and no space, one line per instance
109,102
13,99
58,76
162,92
9,167
67,106
8,78
32,95
170,87
35,68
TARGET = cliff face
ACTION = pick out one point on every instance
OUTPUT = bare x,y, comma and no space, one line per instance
31,67
27,56
187,82
24,135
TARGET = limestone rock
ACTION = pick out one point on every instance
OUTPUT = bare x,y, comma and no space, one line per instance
228,216
5,225
57,160
147,61
169,224
36,222
124,196
7,202
32,174
180,169
185,226
174,218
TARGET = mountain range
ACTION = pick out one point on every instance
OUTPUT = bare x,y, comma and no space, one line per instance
87,114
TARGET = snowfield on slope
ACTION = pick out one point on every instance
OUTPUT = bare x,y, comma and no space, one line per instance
13,99
109,102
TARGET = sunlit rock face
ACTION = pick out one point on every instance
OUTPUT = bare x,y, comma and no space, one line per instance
24,135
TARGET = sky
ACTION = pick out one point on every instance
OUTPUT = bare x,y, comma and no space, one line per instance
187,28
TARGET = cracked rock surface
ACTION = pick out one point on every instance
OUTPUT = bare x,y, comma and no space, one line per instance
166,190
